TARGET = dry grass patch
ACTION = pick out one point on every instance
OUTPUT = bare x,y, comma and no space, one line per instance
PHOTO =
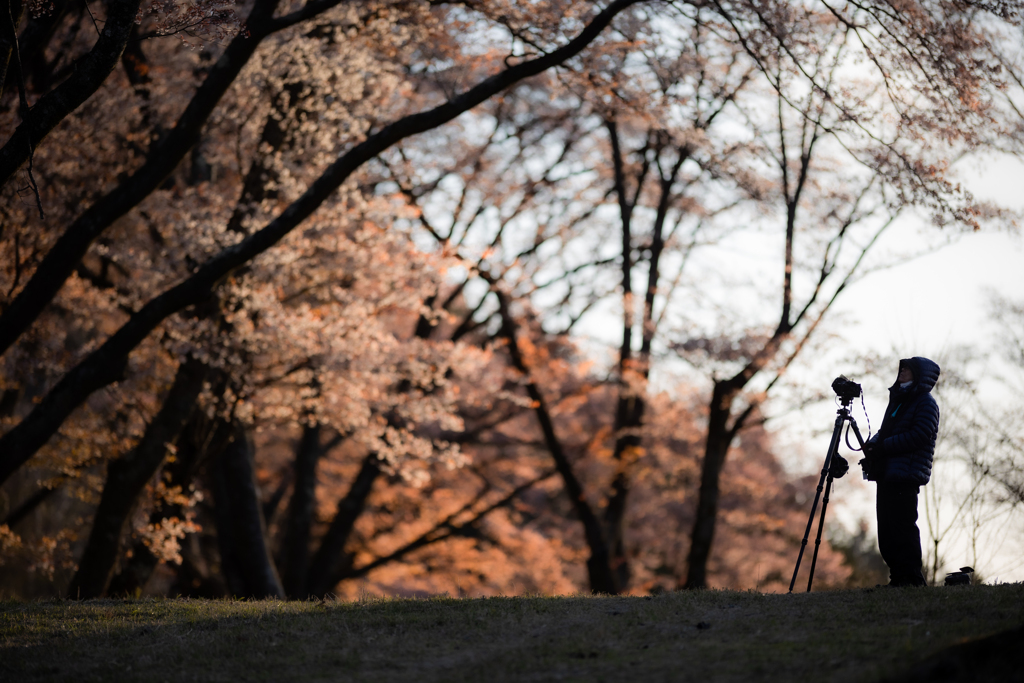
708,636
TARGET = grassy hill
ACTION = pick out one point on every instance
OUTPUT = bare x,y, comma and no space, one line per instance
858,635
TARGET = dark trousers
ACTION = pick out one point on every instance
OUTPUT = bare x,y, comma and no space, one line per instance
899,539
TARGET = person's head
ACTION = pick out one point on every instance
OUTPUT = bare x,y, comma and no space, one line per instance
906,374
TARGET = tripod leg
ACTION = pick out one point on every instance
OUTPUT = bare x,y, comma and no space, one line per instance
832,450
821,525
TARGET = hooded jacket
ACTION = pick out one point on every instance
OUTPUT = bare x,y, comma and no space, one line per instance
906,440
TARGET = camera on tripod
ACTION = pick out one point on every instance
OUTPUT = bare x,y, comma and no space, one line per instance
845,388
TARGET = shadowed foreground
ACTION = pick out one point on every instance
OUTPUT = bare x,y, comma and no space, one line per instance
861,635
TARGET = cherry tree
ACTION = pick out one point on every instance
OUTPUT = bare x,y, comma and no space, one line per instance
362,48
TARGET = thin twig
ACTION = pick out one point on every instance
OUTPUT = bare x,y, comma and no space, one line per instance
32,180
23,106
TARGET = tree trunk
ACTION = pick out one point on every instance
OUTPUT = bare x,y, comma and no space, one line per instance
198,439
716,448
329,558
241,534
300,514
599,570
630,407
629,418
126,478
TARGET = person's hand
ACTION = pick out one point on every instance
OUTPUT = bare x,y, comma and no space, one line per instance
865,464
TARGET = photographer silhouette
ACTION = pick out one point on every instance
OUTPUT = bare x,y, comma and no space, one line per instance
899,458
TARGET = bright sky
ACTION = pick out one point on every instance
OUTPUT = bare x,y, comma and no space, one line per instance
938,300
942,295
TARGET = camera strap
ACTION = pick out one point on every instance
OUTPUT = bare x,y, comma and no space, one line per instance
865,409
866,417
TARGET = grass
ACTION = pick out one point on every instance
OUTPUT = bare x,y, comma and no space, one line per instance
856,635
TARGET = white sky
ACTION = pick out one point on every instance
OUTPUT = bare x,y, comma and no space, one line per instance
942,295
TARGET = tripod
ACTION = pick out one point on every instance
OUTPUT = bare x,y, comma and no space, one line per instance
834,468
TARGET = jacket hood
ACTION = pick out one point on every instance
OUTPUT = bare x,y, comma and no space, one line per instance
926,373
